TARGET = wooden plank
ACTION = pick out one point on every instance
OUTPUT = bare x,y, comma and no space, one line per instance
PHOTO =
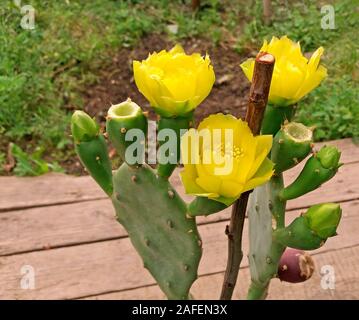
53,188
18,193
208,287
94,220
100,267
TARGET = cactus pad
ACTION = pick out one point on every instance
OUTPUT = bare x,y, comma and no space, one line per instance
159,227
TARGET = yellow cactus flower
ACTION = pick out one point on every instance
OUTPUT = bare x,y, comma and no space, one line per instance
223,167
293,76
173,82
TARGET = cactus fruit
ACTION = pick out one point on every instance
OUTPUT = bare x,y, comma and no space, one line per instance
291,145
295,266
120,119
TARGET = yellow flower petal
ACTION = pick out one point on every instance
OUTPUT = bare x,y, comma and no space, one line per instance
264,145
230,189
209,183
293,75
173,82
243,158
263,175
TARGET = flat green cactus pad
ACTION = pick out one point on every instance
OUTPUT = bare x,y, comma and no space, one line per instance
159,227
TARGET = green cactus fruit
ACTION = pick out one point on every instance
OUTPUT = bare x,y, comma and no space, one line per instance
274,117
83,127
120,119
170,146
323,219
290,146
320,168
298,235
202,206
159,228
91,148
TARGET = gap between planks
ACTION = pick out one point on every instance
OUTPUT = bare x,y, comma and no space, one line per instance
87,270
87,222
207,287
94,221
58,189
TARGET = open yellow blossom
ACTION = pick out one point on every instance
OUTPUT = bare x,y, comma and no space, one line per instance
173,82
224,167
293,76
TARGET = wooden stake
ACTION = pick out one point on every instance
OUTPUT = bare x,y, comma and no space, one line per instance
258,98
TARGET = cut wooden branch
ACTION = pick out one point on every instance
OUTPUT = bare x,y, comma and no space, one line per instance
258,98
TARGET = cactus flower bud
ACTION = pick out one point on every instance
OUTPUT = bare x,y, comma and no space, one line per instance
295,266
91,147
323,219
83,127
329,157
311,229
319,168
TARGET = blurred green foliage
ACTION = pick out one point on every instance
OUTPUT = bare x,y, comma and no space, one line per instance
43,71
333,108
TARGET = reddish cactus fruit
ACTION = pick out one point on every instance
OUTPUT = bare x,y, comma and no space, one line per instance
295,266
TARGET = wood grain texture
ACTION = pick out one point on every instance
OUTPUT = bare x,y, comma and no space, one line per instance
206,287
90,221
65,228
18,193
97,268
49,189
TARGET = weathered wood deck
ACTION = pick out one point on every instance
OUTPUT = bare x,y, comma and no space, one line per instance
64,227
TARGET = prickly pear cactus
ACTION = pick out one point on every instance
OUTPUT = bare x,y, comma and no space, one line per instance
157,220
268,234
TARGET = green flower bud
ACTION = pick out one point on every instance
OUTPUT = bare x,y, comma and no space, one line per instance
323,219
83,127
329,157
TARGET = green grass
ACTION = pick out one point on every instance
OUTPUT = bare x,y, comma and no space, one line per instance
333,108
43,71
